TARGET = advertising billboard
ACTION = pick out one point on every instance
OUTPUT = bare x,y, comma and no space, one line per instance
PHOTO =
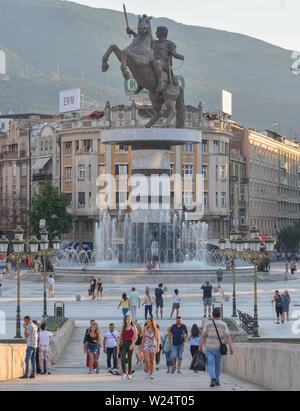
69,100
227,102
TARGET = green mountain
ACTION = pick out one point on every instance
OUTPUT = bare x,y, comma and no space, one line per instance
41,35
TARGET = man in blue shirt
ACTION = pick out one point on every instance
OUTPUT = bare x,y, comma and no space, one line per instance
179,336
159,300
207,297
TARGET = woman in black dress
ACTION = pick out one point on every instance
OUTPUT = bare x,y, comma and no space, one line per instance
99,288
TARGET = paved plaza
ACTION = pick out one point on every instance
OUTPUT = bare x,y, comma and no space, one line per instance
70,372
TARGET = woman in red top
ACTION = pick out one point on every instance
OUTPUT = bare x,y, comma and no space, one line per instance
128,337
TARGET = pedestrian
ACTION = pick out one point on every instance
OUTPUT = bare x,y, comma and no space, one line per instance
8,268
44,349
138,345
29,265
158,354
150,344
135,303
32,344
92,288
128,337
228,265
92,322
157,266
159,299
278,300
111,346
92,346
125,303
292,267
50,285
176,303
214,333
36,265
194,339
220,277
99,288
286,305
178,336
148,302
286,270
167,351
0,289
207,289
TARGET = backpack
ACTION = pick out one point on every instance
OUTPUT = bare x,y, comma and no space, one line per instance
157,293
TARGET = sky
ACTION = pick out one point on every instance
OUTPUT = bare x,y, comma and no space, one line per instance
274,21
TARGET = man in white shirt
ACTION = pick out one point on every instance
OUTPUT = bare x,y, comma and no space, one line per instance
134,303
32,343
110,347
50,284
44,349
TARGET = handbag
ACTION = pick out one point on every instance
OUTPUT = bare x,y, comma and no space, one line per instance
118,345
198,362
223,347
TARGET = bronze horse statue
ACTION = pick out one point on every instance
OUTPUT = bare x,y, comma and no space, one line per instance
138,57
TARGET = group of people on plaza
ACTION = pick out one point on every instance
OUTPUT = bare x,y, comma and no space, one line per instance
95,288
149,344
37,358
282,306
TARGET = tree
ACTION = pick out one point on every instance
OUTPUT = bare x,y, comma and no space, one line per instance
289,237
13,212
52,207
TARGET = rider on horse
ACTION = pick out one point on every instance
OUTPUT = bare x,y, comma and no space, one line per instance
164,50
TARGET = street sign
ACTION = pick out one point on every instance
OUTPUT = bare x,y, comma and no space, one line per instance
131,85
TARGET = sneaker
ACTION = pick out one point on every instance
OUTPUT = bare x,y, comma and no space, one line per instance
157,368
32,376
151,377
217,384
213,383
178,371
49,373
124,377
25,377
173,370
129,377
168,372
147,376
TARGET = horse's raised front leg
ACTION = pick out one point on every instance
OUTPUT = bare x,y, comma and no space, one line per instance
124,70
111,49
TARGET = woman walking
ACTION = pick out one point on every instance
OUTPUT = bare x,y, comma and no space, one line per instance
138,345
286,305
176,303
148,302
99,288
92,346
125,303
128,337
150,345
278,299
194,339
167,352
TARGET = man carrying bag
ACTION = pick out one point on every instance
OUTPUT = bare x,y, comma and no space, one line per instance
214,334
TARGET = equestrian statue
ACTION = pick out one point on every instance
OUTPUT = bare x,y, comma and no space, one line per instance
150,62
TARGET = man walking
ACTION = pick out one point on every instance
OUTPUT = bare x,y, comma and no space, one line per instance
215,332
220,277
32,343
159,299
110,347
135,302
179,336
207,297
50,284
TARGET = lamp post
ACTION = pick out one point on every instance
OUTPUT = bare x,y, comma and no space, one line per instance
44,253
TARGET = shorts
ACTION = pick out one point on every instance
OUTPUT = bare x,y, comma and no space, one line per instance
176,306
177,352
279,310
94,349
220,280
160,304
207,302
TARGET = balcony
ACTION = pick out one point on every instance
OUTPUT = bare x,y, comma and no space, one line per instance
42,177
242,205
245,181
9,155
233,179
22,153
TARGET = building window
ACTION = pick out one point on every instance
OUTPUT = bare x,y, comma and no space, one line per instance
88,146
121,199
14,190
223,172
188,198
205,171
102,148
68,173
188,148
216,146
223,199
121,148
23,170
81,172
121,170
217,173
90,173
217,199
23,191
102,170
81,199
14,170
205,146
77,145
172,169
187,170
242,194
69,199
205,198
68,148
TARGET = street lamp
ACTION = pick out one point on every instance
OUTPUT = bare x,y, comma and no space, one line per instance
255,245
